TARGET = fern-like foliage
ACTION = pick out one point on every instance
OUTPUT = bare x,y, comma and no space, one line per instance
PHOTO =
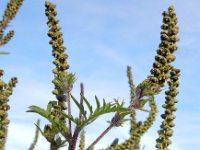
47,113
105,108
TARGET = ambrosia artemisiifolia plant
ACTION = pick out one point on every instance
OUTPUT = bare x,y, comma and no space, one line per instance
63,128
161,72
6,89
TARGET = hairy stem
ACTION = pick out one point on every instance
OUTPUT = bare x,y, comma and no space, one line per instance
77,130
81,99
69,112
100,137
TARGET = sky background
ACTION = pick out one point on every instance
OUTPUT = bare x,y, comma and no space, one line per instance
102,37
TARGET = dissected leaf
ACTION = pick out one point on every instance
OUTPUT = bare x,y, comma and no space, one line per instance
106,108
97,102
104,102
38,110
88,104
81,108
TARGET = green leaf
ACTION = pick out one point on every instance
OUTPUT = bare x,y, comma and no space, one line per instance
38,110
97,101
49,107
46,114
60,143
114,143
4,53
81,108
77,121
40,130
104,103
88,104
106,108
70,117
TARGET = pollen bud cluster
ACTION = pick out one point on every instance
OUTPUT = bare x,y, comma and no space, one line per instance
168,35
58,52
5,92
166,127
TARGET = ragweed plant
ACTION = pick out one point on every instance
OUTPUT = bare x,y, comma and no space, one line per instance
9,13
168,116
6,89
63,81
160,73
64,128
60,131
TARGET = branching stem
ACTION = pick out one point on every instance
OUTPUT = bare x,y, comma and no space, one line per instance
77,129
81,99
100,137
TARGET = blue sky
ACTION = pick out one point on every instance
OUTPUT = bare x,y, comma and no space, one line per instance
102,38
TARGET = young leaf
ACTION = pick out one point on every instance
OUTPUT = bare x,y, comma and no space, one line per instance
97,101
106,108
40,130
49,107
88,104
38,110
81,108
104,102
60,143
76,120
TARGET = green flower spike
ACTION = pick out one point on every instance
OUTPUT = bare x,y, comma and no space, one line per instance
63,83
82,141
5,91
132,96
7,37
167,124
9,13
62,80
167,47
